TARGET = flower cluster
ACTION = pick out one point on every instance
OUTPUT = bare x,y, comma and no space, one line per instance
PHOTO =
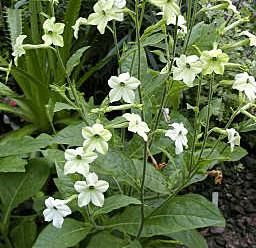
78,161
104,12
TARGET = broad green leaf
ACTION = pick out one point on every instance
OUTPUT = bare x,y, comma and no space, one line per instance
178,214
203,36
114,202
154,180
12,164
24,145
64,183
106,240
23,235
190,238
15,188
71,233
62,106
70,135
74,60
118,165
152,40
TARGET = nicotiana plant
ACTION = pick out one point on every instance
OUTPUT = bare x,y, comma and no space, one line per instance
120,169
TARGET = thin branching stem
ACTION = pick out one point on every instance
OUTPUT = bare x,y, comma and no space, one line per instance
207,118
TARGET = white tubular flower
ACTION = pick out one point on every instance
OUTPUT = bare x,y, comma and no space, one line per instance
233,138
123,87
80,21
55,211
105,11
120,3
91,190
214,61
252,37
96,138
187,69
169,7
18,49
179,135
136,125
245,82
78,160
53,32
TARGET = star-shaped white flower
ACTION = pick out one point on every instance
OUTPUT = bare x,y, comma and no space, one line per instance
105,11
252,37
136,125
55,211
214,61
96,138
80,21
53,32
18,49
233,138
123,87
179,135
78,160
91,190
187,69
245,83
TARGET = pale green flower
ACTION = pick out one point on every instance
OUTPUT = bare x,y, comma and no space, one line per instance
252,37
53,32
233,138
245,83
105,11
136,125
169,7
96,138
18,49
214,61
80,21
187,69
123,87
91,190
78,160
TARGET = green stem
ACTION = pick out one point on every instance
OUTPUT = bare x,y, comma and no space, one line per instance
142,215
191,24
166,89
80,109
195,125
116,46
207,118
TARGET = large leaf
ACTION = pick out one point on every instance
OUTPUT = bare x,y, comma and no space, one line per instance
74,60
70,135
24,145
23,235
106,240
178,214
190,238
115,202
71,233
18,187
12,164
